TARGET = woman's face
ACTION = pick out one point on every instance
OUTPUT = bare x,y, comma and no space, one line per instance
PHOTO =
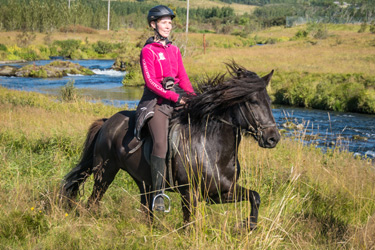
164,26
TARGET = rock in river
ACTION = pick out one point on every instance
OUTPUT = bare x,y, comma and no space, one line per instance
51,70
8,70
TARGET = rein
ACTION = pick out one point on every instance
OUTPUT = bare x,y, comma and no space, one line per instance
258,130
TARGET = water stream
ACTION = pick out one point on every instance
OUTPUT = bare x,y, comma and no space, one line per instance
351,131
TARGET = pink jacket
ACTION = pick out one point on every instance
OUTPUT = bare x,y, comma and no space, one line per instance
159,61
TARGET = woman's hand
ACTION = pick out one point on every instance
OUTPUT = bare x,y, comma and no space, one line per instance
183,101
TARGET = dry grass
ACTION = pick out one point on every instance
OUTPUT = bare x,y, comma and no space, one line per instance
342,52
310,200
40,123
9,38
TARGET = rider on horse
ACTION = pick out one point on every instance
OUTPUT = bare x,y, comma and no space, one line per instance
164,74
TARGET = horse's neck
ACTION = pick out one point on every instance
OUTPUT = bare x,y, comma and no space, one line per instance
225,134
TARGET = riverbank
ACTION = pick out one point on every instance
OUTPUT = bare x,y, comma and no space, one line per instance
322,66
310,199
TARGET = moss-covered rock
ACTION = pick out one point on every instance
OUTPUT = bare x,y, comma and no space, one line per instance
120,64
54,69
7,70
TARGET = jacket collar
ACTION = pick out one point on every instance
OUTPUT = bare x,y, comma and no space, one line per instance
151,40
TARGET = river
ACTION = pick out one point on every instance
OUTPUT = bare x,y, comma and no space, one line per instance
326,129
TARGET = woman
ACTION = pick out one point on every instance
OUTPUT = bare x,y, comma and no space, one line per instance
163,73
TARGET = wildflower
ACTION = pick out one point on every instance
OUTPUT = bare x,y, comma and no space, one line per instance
32,208
66,214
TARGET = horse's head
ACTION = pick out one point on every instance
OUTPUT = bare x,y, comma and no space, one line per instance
254,113
240,100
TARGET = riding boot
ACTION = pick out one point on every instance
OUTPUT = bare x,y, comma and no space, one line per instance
157,174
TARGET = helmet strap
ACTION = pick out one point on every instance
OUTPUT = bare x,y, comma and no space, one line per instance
158,36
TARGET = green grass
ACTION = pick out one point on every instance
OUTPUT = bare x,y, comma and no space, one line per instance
310,200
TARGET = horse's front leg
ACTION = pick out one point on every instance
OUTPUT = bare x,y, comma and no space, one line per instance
254,198
189,203
242,194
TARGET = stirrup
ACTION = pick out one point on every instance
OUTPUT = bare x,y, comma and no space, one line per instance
163,196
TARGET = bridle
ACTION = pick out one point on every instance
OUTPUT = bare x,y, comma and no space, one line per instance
256,131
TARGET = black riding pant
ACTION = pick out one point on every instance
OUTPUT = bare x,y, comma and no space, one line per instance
158,126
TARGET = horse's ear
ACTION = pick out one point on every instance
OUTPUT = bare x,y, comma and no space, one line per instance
268,77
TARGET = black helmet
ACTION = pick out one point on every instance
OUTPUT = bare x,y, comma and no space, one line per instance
159,11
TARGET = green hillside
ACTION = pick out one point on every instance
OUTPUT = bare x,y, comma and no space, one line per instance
204,16
239,8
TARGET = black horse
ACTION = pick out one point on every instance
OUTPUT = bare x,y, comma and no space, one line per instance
203,161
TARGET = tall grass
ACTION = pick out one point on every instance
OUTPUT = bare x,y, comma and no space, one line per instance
310,199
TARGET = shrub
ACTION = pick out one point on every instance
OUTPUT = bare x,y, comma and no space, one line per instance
372,27
338,92
103,47
321,34
133,78
40,73
362,28
67,46
29,55
301,34
24,39
3,47
68,92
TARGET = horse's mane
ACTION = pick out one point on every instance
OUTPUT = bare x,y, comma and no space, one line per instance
217,94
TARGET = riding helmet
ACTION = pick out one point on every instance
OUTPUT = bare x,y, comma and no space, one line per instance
159,11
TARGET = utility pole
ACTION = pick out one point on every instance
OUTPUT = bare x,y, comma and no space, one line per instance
187,26
187,18
109,12
69,3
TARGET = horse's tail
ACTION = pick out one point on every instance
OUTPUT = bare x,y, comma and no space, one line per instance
79,174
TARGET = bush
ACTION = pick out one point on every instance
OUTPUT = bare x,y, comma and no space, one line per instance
67,46
103,47
338,92
362,28
3,47
24,39
29,55
321,34
372,27
40,73
301,34
68,92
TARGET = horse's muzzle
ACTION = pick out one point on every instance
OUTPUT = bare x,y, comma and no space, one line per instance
269,138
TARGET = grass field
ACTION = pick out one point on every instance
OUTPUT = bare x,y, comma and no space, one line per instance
310,200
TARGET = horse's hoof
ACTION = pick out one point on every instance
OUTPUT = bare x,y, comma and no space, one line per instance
253,226
246,225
